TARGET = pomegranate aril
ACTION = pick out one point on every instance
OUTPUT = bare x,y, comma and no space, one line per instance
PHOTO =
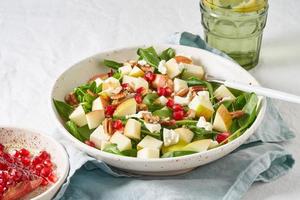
24,152
1,147
168,91
1,189
26,161
117,125
170,103
138,98
140,90
124,85
149,76
222,137
44,155
46,171
177,107
36,160
161,91
52,177
47,163
109,110
44,182
178,115
90,143
39,167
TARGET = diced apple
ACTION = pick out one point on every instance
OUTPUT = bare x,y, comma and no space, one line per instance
135,82
173,68
147,153
78,116
223,92
98,137
149,142
199,145
170,137
153,127
123,142
160,81
223,119
125,70
191,70
111,86
99,104
202,107
95,118
185,134
179,85
136,72
133,129
182,100
127,107
129,80
162,67
176,147
213,144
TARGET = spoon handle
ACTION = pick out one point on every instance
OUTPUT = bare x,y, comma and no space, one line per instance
264,91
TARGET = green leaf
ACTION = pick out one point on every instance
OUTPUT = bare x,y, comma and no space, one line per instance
63,109
112,64
130,152
149,55
186,122
145,131
167,54
73,129
85,132
163,113
177,154
117,75
149,100
201,133
248,109
112,148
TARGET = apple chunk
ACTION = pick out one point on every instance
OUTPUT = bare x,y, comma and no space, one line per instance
98,137
78,116
185,134
99,104
199,145
202,106
149,142
223,92
191,70
128,107
223,119
123,142
133,129
148,153
136,72
95,118
173,68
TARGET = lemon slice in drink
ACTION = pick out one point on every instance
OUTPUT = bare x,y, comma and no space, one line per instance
250,6
236,5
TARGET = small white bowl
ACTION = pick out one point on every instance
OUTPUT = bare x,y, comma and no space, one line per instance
18,138
214,65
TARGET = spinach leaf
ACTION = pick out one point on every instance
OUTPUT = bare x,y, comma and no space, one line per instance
130,153
145,131
165,113
85,132
201,133
112,64
186,122
177,153
112,148
167,54
117,75
149,100
63,109
248,109
149,55
73,129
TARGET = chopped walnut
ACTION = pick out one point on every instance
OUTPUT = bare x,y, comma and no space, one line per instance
149,118
198,88
142,107
119,96
237,114
171,122
147,68
71,99
183,92
107,126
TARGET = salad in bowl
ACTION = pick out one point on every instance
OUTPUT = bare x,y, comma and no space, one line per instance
158,105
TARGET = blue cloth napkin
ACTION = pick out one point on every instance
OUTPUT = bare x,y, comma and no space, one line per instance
260,159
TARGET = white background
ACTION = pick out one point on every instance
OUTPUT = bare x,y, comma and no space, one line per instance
40,39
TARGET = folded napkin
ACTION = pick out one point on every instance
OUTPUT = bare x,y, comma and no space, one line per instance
260,159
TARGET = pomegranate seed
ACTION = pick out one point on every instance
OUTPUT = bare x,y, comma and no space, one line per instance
44,182
178,115
109,110
161,91
222,136
44,155
140,90
170,103
177,107
26,161
36,160
124,85
24,152
52,177
1,147
168,91
46,171
39,167
111,73
138,98
47,163
149,76
1,189
90,143
17,154
117,125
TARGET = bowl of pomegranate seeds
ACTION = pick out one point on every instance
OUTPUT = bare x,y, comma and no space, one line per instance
32,165
152,109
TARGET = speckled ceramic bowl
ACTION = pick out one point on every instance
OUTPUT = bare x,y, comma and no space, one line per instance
214,65
15,138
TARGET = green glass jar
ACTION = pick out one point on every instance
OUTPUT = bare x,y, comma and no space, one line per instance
235,27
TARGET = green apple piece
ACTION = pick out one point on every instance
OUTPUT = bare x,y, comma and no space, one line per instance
202,106
179,85
99,104
213,144
149,142
185,134
95,118
133,129
127,107
99,136
136,72
191,70
223,92
176,147
199,145
125,70
223,119
173,68
123,142
141,82
78,116
104,143
148,153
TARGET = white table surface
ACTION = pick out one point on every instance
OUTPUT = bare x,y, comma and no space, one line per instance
40,39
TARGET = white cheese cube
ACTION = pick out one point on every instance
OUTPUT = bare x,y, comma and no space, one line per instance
149,142
179,85
111,86
125,70
153,127
123,142
162,67
78,116
173,68
202,123
170,137
147,153
142,62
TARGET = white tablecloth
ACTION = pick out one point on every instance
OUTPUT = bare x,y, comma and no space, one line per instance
40,39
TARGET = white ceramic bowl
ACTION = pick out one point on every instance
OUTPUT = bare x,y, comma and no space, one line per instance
18,138
214,65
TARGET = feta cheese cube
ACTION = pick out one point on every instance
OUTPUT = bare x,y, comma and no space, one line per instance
162,67
202,123
153,127
125,70
170,137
